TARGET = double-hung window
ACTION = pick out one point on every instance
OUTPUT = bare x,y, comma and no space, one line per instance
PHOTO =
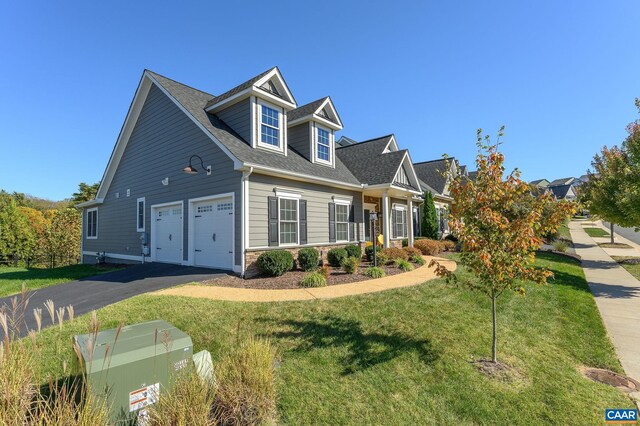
288,218
92,224
269,126
140,214
342,222
323,149
400,224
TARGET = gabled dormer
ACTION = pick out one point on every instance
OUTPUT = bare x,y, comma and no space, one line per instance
312,130
257,110
392,145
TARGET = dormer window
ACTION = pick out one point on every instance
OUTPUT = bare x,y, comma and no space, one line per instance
270,127
324,145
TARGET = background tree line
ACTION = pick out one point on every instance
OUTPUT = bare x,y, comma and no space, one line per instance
35,231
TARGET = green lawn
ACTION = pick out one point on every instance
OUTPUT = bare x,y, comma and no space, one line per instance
403,356
596,232
564,233
11,278
631,268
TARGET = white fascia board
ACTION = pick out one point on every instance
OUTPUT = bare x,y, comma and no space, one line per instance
90,203
300,177
125,132
411,191
250,91
414,176
328,102
316,118
276,73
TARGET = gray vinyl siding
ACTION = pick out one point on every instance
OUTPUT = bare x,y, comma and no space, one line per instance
318,198
160,145
300,140
238,117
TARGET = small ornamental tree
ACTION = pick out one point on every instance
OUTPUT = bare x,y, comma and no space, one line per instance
429,223
498,222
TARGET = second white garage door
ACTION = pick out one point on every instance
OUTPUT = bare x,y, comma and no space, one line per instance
213,233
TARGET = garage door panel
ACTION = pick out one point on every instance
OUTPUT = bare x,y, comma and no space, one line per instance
167,239
213,233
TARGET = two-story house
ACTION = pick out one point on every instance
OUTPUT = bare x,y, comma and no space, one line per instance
206,180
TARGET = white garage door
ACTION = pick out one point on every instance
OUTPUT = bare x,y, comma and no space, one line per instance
168,234
213,233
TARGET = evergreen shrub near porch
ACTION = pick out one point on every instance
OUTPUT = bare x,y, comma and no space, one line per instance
308,259
275,262
336,256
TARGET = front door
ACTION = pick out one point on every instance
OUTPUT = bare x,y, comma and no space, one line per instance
213,233
167,241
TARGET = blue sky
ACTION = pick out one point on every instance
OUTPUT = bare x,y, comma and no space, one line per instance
562,76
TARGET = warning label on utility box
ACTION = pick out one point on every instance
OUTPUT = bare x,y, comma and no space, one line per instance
143,397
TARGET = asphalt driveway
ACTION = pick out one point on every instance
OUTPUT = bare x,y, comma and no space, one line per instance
88,294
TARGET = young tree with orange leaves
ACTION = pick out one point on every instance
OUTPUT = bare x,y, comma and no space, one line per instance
500,224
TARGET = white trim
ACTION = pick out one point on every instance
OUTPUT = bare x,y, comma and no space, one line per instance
315,116
286,193
342,202
90,203
386,218
86,231
302,177
152,251
245,188
275,72
315,138
113,255
191,228
295,198
144,214
282,118
400,208
395,145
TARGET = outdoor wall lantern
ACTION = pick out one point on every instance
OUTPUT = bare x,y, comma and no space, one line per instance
190,170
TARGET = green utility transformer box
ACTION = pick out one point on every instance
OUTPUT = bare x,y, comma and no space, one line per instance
134,366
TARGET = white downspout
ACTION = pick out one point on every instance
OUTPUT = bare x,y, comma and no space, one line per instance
410,220
245,218
385,219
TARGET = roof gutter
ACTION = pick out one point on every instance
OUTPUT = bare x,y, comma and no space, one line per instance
313,179
90,203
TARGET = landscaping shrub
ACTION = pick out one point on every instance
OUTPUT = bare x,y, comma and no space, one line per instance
405,243
336,256
350,265
428,247
418,260
189,402
325,272
368,252
275,263
451,237
412,251
382,259
308,259
245,391
404,265
313,279
448,245
375,272
354,251
559,245
394,253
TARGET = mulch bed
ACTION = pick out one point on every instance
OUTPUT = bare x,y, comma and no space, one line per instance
629,261
496,370
291,279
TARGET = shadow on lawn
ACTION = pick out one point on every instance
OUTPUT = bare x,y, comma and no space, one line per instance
365,349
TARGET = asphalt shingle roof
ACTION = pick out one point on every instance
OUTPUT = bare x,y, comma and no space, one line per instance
563,181
368,163
431,172
560,191
237,89
537,182
308,109
194,101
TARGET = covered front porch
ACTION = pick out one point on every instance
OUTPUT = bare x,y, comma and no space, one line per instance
397,215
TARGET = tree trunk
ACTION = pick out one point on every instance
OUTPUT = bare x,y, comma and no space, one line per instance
611,226
494,342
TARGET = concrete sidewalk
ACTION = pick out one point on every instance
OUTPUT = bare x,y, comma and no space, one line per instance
406,279
632,251
617,295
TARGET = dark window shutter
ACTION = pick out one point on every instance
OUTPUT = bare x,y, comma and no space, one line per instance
394,216
332,222
352,228
303,221
273,221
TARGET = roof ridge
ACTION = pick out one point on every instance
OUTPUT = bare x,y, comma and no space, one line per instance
432,161
365,141
254,78
176,81
309,103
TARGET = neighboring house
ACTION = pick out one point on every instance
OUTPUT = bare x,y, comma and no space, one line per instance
564,192
213,181
540,183
435,176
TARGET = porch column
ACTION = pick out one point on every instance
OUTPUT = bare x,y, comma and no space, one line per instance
410,220
385,219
